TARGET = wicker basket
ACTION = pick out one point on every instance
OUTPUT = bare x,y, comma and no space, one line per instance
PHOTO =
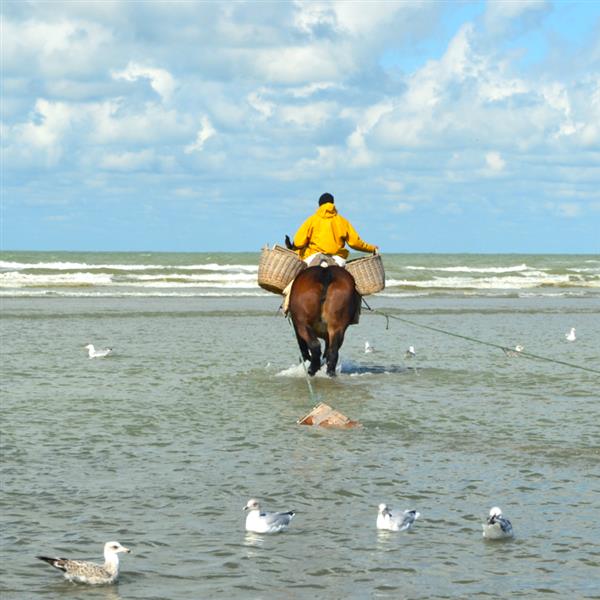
368,274
277,267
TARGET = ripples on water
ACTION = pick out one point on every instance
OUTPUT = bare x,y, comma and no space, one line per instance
161,445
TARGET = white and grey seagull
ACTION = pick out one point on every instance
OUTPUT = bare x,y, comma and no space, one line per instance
571,337
266,522
410,353
497,526
368,348
82,571
401,522
93,353
513,353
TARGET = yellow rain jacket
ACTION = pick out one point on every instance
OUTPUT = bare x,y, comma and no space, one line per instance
326,231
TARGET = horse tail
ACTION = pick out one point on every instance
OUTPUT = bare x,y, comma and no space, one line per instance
326,278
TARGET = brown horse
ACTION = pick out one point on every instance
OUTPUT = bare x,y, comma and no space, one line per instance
323,302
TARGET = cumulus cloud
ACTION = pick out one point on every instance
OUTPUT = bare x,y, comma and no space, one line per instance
495,162
257,101
160,80
505,16
128,161
292,95
55,47
205,132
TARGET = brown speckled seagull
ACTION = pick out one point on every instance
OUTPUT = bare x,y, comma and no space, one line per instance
82,571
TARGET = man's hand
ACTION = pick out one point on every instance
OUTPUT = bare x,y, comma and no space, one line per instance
376,251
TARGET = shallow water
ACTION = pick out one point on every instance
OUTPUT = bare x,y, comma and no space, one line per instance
160,446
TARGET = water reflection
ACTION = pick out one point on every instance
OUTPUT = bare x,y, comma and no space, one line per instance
253,540
385,538
104,592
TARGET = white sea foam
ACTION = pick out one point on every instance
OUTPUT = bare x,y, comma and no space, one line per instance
222,280
73,266
299,370
18,279
585,270
65,293
509,282
216,277
513,269
227,284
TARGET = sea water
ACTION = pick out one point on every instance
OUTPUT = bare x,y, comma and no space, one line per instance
161,444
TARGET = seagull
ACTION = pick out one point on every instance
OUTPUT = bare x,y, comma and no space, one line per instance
368,348
410,353
571,335
497,527
403,522
266,522
93,353
82,571
513,353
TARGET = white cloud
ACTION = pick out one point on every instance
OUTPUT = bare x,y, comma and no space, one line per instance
54,48
115,121
205,132
293,65
361,156
312,88
568,210
307,116
161,80
353,18
500,15
328,159
470,97
128,161
43,134
301,92
403,207
258,103
313,15
495,162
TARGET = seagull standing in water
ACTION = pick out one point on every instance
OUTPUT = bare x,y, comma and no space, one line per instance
93,353
571,335
266,522
81,571
368,348
497,527
410,353
513,353
402,522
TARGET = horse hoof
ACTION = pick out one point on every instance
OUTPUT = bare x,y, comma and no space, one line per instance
312,372
332,373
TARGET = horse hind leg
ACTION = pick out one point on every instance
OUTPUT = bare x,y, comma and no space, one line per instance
303,347
332,356
313,346
315,356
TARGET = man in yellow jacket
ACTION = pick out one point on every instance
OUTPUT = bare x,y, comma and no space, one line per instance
327,232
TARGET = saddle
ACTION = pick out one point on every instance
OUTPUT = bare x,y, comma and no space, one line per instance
321,260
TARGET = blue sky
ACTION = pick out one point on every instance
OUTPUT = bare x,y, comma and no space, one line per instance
206,126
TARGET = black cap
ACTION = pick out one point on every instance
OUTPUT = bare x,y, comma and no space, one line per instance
325,198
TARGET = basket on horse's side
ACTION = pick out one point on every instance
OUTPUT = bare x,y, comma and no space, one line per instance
277,267
368,274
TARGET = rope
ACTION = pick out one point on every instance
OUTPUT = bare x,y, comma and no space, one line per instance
472,339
